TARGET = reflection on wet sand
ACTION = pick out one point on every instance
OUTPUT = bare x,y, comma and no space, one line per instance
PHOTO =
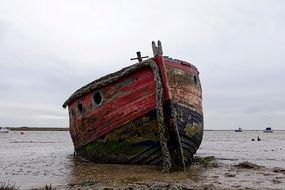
122,175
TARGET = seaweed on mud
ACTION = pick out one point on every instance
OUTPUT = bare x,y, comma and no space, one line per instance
248,165
8,186
46,187
279,170
205,161
87,183
209,187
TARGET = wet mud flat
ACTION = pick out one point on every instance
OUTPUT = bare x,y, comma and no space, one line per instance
225,160
205,173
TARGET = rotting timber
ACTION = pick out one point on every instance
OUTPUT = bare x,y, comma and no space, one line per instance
147,113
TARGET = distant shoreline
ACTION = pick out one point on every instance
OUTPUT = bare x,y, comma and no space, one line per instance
37,129
242,130
67,129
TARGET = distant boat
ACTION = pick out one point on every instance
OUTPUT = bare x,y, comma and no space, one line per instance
238,130
268,130
4,130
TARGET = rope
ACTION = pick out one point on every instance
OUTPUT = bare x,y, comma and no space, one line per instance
159,100
160,119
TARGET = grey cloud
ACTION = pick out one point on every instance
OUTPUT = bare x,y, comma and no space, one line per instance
236,45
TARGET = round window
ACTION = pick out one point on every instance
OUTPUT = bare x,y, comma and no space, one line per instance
97,98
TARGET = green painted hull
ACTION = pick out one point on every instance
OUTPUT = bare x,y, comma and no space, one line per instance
137,142
134,143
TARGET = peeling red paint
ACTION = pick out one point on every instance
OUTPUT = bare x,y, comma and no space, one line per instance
124,101
134,96
182,86
136,99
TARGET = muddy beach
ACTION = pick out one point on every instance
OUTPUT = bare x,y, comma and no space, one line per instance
226,160
205,173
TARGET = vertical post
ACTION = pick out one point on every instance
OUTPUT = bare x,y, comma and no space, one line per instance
139,56
157,50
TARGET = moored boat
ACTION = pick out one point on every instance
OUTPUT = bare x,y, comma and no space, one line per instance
4,130
147,113
268,130
238,130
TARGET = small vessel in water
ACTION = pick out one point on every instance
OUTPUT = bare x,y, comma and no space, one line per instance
268,130
238,130
147,113
4,130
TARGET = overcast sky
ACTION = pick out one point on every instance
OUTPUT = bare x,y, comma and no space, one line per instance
49,49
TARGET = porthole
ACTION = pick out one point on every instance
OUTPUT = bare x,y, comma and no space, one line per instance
80,107
97,98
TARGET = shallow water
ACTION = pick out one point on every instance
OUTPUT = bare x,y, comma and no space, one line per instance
34,159
269,152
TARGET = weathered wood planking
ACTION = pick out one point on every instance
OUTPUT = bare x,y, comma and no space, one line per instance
123,127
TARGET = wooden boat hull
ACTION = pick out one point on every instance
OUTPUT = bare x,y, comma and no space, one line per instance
137,142
139,115
132,143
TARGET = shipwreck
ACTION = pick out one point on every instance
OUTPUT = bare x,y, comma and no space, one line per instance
148,113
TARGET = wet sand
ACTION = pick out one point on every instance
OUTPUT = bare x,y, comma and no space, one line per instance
201,175
35,159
